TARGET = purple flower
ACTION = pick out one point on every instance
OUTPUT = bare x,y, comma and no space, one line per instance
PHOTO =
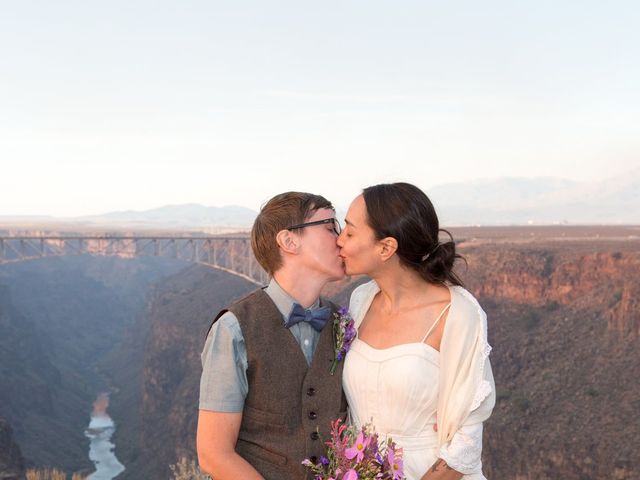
344,332
357,450
395,463
351,474
349,332
354,452
374,444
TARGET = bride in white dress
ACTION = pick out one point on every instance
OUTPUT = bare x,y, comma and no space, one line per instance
419,367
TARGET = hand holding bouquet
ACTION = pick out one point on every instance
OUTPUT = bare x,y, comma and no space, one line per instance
357,455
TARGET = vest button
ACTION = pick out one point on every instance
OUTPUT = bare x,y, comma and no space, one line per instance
311,391
313,459
315,435
313,415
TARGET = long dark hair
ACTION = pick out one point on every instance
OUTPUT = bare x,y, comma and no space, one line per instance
404,212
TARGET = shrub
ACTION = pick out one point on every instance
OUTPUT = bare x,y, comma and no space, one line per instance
522,403
51,474
503,395
551,306
617,296
548,268
530,319
187,470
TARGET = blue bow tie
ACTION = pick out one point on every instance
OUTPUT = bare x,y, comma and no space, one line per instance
316,317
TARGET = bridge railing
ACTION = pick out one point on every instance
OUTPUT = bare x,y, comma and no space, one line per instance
231,254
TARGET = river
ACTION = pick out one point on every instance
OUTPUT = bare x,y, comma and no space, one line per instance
99,432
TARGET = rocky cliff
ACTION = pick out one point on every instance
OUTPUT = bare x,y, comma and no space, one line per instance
181,311
11,462
606,280
59,318
33,389
563,322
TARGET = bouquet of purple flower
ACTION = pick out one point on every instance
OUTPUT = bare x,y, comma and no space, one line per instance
344,331
357,455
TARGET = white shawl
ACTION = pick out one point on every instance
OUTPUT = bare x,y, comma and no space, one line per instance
466,393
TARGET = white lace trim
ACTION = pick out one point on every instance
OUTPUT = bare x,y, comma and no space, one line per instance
483,391
464,452
484,387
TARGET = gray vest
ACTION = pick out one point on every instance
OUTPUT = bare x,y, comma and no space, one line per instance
290,406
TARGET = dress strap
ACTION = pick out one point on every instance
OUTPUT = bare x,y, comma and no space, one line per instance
446,307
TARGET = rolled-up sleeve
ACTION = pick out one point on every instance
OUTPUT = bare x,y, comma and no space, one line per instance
223,384
464,452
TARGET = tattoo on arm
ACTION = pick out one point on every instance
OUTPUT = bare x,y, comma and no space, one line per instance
440,465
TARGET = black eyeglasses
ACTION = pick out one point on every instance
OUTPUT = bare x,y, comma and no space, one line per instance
336,225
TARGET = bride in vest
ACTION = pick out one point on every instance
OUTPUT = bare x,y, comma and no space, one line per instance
419,367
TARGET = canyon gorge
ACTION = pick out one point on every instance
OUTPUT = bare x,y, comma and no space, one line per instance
563,321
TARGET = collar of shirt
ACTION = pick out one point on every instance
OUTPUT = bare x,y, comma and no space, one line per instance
283,301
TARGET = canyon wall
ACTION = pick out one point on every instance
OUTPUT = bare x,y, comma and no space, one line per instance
11,461
563,323
59,319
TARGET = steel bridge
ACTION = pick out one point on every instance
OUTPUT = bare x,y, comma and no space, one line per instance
231,254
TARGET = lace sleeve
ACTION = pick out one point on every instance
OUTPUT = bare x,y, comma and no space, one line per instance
463,453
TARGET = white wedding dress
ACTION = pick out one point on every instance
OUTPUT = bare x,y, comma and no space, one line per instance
396,389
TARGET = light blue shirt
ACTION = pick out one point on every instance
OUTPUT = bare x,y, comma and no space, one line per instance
223,384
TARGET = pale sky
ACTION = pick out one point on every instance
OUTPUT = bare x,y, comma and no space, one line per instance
138,104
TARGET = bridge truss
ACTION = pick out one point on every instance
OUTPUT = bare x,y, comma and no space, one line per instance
230,254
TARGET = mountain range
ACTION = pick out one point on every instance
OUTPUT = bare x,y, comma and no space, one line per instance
540,200
494,201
